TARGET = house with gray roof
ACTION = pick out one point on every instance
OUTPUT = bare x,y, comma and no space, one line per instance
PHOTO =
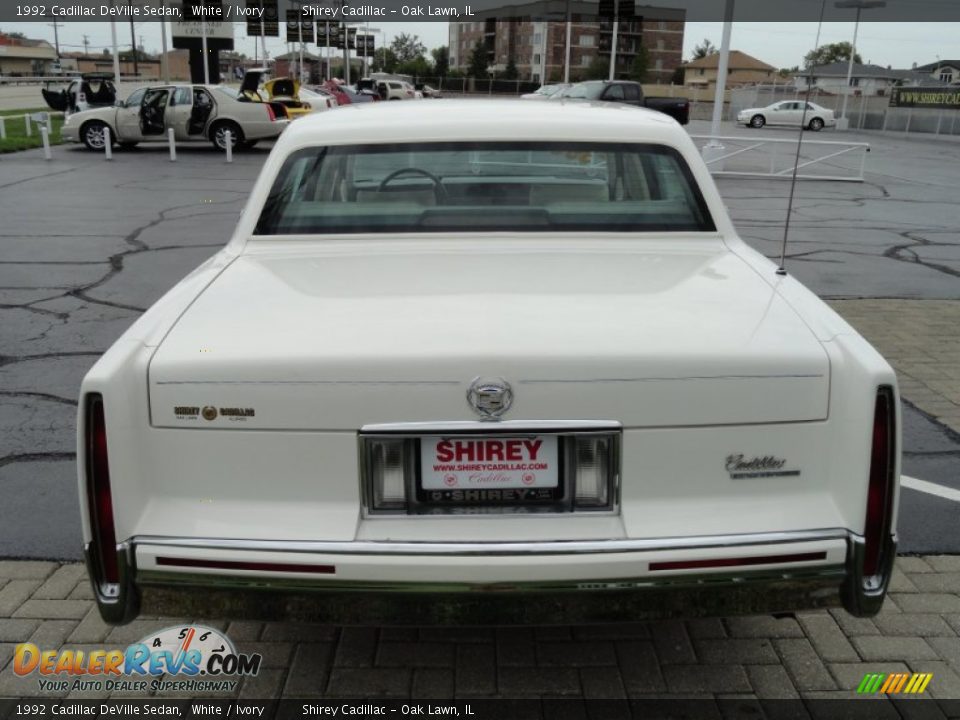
866,79
944,71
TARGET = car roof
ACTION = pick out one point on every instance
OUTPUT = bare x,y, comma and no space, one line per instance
472,120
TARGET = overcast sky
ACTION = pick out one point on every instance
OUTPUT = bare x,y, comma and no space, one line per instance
780,44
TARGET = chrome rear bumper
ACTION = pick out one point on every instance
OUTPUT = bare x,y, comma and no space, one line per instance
756,579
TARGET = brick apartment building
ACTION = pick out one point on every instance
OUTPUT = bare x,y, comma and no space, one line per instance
538,46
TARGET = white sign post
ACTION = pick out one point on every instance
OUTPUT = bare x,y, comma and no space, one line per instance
173,145
228,145
107,143
26,120
3,128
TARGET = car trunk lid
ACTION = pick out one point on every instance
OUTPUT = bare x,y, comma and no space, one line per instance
346,334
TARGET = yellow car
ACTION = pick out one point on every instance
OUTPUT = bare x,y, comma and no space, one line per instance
286,90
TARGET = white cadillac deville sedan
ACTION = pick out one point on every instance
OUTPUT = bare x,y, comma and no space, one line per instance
496,346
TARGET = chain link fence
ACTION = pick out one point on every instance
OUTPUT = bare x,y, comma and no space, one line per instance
864,112
476,86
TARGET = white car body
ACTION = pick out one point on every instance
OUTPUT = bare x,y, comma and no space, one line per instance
789,113
395,90
254,120
319,102
545,92
734,410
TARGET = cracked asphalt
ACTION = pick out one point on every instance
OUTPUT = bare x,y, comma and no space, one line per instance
86,245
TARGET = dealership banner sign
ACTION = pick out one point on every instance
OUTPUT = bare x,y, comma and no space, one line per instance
935,97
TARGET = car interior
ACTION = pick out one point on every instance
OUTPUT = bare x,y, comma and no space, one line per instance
152,111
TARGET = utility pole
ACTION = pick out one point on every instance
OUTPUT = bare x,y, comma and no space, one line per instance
56,38
86,45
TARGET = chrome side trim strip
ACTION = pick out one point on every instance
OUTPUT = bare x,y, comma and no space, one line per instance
557,547
494,426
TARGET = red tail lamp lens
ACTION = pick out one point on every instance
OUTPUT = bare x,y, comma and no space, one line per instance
880,490
99,499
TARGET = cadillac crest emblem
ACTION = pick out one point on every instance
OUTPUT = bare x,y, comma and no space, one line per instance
490,397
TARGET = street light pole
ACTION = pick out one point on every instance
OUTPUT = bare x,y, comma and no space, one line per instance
714,149
133,42
164,60
116,55
613,48
842,122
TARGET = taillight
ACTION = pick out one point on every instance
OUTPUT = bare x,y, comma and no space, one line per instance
272,115
99,500
880,489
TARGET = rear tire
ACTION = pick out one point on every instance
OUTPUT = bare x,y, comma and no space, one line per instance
92,135
816,125
218,135
758,121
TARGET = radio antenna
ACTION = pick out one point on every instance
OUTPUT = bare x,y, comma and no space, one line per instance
796,162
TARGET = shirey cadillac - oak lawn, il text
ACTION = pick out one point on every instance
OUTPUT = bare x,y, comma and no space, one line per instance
496,346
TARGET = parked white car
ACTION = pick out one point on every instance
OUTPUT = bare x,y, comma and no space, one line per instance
498,346
545,91
788,112
395,90
195,112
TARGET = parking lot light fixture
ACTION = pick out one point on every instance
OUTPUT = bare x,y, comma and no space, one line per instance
842,122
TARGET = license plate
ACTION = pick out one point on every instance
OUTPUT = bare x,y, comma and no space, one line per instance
491,469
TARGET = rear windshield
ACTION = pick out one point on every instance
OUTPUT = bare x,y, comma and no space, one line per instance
483,186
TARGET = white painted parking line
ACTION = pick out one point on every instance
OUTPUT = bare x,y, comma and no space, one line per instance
923,486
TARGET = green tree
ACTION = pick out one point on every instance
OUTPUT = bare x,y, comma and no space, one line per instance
407,47
640,65
477,65
15,35
418,67
703,49
678,76
384,60
598,69
441,61
127,55
510,72
830,53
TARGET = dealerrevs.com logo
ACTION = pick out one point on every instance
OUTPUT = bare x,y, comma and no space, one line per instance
183,658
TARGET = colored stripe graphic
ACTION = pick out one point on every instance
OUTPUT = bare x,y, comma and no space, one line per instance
894,683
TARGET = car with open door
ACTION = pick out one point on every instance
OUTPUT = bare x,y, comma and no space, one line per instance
791,113
90,90
500,349
193,112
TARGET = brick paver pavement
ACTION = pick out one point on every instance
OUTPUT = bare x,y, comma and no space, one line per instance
920,338
810,655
